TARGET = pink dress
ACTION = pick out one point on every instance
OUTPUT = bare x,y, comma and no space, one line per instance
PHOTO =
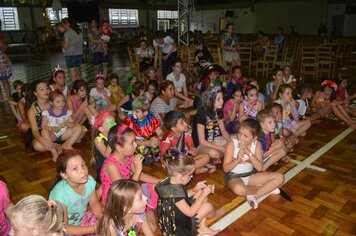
5,226
124,170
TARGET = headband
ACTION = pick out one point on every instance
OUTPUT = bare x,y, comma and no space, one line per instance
99,119
330,84
56,69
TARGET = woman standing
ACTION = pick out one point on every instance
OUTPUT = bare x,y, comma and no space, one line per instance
5,69
229,46
72,47
100,58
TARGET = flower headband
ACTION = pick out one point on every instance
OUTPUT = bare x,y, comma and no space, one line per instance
330,84
99,119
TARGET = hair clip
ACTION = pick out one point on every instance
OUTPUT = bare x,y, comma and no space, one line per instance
51,203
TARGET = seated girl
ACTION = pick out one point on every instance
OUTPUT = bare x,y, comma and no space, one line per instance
125,104
251,105
209,133
58,81
243,157
58,124
74,188
325,102
78,103
180,84
101,96
231,111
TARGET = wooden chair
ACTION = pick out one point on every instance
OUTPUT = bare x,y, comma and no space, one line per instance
246,56
326,61
134,61
309,64
265,64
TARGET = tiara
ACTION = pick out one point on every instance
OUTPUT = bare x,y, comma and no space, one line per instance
56,69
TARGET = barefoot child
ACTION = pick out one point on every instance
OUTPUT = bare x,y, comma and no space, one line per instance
176,125
242,157
124,212
231,111
58,124
182,211
101,96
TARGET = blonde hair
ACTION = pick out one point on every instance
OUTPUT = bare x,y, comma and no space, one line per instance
36,211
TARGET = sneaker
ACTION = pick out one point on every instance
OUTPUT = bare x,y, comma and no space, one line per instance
251,199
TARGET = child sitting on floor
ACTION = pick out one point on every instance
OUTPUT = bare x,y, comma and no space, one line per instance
175,123
117,93
101,96
302,104
147,129
273,149
243,157
237,81
182,211
251,105
131,79
231,111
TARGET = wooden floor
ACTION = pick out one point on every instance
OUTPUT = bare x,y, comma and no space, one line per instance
324,203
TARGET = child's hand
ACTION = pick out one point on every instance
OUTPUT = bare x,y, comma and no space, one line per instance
137,162
208,190
200,185
193,152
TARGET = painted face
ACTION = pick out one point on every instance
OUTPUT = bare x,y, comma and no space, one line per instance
178,67
139,114
113,82
238,96
277,112
252,96
58,103
60,79
279,76
82,92
245,135
42,91
108,122
129,146
100,84
181,126
169,92
286,72
77,171
140,203
237,74
269,124
219,101
286,95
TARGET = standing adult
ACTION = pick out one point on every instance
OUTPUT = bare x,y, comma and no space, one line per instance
72,47
169,53
100,58
230,46
5,68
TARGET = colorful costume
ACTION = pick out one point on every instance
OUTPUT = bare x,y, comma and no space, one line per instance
145,130
289,111
171,220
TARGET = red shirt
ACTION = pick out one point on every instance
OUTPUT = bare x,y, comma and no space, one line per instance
169,140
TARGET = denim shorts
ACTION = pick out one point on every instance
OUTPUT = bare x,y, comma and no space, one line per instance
74,61
99,58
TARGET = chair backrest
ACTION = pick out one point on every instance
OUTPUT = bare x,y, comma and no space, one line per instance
325,53
309,54
245,52
270,54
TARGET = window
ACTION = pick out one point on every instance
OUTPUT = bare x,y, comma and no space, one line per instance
123,18
54,17
167,14
9,18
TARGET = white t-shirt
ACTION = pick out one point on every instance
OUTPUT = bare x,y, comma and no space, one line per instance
166,45
99,99
290,80
178,84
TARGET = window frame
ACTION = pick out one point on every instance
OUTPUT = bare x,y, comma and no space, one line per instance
63,13
117,18
15,24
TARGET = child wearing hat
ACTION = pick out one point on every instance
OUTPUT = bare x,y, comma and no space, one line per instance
132,78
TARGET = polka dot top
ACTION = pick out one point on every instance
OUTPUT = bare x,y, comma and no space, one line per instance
124,170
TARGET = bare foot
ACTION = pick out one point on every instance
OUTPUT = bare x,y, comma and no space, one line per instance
204,230
209,168
286,159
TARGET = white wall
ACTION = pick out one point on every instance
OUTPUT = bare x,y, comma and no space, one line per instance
305,16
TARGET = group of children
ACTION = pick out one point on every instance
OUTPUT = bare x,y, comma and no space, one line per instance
232,124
